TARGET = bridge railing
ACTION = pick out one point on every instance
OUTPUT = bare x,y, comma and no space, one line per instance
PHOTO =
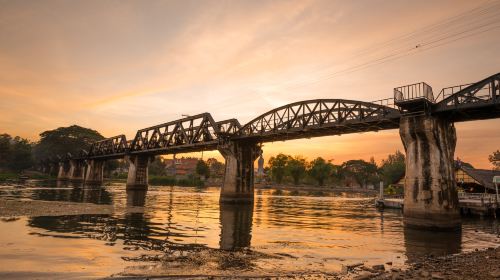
388,102
413,91
448,91
483,93
486,91
394,196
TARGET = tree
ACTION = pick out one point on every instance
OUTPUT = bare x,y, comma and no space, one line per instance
296,167
363,172
20,156
110,166
494,158
337,173
5,149
393,168
216,167
15,153
202,169
320,170
277,165
65,140
157,167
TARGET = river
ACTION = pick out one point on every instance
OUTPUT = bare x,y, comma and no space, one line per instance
184,231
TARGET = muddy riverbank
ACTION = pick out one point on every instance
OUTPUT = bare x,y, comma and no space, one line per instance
481,264
16,207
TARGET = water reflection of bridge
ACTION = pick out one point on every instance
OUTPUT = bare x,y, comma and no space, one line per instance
140,230
426,126
135,228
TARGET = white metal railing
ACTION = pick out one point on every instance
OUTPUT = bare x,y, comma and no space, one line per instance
394,196
486,197
414,91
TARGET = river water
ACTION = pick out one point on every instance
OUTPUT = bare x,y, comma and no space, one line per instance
181,230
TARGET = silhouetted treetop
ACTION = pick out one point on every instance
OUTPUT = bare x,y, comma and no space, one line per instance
63,140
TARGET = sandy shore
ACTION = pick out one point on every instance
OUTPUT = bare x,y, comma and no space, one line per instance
14,207
484,264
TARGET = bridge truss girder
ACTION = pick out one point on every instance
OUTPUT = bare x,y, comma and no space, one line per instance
480,100
319,118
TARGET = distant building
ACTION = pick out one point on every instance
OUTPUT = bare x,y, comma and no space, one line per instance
181,167
476,180
470,179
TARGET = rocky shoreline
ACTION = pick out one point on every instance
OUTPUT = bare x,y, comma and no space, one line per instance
479,264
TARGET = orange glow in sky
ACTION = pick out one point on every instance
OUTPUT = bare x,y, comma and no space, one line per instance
118,66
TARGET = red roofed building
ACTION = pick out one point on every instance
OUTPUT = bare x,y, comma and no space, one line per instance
181,167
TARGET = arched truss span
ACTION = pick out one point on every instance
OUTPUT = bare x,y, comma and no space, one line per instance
319,118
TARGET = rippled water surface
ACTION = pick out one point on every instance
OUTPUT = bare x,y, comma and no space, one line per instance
300,232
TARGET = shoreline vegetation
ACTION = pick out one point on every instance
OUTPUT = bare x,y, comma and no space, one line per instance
15,176
275,189
191,181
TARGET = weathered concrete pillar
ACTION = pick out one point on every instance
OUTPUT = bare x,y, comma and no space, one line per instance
431,199
76,170
138,172
236,226
63,173
94,172
237,186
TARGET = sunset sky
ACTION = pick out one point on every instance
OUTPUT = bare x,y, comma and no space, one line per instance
118,66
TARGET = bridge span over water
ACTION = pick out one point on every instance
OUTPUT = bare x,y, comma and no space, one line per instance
425,122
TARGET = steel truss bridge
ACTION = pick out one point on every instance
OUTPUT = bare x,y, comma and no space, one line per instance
304,119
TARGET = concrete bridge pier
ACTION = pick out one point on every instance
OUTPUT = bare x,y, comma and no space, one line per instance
138,172
94,172
237,186
431,199
63,173
76,171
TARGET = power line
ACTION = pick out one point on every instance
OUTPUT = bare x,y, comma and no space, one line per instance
402,52
430,28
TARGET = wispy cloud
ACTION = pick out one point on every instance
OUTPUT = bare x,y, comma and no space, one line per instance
120,66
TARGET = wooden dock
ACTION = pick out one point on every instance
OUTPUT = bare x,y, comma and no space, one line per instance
481,204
